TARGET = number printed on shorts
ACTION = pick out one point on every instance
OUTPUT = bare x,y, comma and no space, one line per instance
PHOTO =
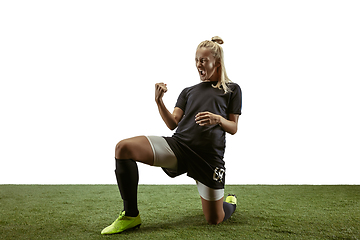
218,174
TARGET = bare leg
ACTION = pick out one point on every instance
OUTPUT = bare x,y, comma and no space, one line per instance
136,148
213,211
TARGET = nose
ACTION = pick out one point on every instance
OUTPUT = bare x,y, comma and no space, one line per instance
198,64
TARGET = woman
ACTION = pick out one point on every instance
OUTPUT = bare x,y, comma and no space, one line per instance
202,115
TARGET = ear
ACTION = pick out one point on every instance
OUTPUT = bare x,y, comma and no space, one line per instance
217,64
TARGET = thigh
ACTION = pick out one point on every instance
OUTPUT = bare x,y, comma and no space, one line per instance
135,148
209,194
213,210
212,203
163,155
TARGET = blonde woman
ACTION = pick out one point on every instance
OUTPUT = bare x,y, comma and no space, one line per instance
202,115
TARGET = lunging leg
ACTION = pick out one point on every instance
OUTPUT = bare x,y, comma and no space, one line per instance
127,153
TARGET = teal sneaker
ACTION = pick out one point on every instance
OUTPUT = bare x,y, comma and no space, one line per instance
122,223
231,198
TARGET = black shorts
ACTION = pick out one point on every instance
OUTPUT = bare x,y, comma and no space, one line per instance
196,167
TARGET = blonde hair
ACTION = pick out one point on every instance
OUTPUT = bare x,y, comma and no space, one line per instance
218,53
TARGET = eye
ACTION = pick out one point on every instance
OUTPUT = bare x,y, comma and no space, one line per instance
202,60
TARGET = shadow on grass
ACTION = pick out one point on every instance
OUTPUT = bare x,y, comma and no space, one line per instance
197,221
194,226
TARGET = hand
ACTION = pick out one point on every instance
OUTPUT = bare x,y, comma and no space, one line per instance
207,118
160,89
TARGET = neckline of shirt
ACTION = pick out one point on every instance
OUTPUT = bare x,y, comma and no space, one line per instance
209,81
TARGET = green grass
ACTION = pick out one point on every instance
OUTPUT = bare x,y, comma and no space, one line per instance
174,212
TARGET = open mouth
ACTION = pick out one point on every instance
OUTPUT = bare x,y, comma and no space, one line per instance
202,73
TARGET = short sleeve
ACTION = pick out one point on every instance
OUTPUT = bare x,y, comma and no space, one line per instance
182,99
235,104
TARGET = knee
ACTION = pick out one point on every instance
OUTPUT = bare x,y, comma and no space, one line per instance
123,150
213,220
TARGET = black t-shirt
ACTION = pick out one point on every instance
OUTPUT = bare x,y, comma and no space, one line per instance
207,141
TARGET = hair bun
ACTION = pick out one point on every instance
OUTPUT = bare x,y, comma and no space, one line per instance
217,39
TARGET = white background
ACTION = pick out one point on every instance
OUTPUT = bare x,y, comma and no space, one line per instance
78,76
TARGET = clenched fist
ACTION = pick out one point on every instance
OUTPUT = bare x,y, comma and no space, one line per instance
160,89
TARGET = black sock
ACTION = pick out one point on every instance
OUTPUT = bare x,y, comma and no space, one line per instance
127,177
229,209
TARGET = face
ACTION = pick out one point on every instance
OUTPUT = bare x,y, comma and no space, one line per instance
206,65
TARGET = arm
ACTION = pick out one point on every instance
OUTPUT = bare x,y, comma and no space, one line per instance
171,120
208,118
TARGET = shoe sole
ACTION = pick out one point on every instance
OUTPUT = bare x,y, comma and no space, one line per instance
132,229
129,229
